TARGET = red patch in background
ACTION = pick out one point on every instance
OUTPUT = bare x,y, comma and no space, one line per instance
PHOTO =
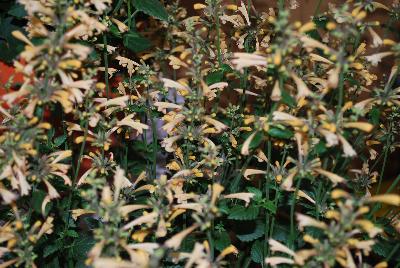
6,71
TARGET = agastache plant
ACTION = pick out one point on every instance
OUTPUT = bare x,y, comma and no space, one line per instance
149,133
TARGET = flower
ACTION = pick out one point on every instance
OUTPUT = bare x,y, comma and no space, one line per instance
243,60
175,241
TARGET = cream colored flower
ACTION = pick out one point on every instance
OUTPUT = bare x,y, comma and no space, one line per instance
128,121
242,60
246,197
163,106
305,221
175,241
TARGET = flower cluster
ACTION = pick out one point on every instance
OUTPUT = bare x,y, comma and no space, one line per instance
151,134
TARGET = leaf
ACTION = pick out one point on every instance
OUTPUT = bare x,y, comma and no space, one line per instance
243,213
280,232
222,240
59,140
135,42
381,248
287,99
81,247
9,46
151,7
223,206
256,140
269,205
256,252
375,114
114,31
257,233
72,233
214,77
37,200
320,147
257,193
17,11
280,133
50,249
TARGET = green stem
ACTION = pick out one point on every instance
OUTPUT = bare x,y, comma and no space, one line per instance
106,66
386,151
317,8
396,181
217,28
389,190
211,242
292,228
395,248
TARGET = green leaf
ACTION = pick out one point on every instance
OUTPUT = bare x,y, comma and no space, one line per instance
9,46
257,233
375,114
81,247
50,249
214,77
256,140
59,140
287,99
17,11
222,240
269,205
151,7
72,233
256,252
280,133
37,200
114,31
243,213
257,192
223,206
320,148
135,42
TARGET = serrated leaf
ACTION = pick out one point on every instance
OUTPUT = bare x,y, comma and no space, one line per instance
50,249
223,207
256,252
243,213
81,247
151,7
135,42
280,133
257,192
257,233
72,233
375,114
214,77
269,205
222,240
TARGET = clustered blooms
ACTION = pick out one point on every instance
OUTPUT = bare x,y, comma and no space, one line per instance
234,136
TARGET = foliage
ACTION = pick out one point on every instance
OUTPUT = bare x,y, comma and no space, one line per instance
150,134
